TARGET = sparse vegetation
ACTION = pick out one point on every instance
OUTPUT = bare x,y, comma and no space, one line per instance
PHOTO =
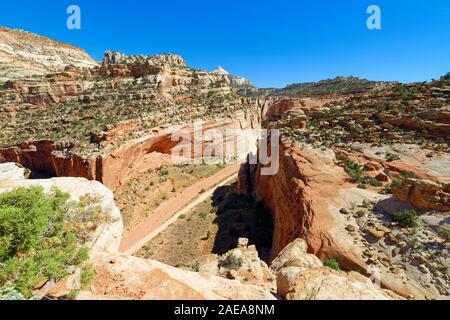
232,262
397,182
331,263
41,237
407,218
445,233
353,169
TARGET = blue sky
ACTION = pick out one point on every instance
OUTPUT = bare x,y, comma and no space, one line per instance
273,43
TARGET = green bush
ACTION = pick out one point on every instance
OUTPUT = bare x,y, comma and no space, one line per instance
354,170
392,157
40,236
407,218
397,182
232,262
408,174
445,233
331,263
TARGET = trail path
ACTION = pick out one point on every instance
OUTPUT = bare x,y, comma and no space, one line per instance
169,211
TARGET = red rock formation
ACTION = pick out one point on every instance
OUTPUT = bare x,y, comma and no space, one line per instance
116,166
424,193
298,196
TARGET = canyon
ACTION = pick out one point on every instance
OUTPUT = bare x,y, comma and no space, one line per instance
359,207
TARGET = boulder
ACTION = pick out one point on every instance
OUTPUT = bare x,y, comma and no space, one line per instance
301,276
242,264
326,284
10,172
295,255
425,194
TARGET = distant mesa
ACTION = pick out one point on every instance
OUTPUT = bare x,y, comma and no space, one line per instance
25,55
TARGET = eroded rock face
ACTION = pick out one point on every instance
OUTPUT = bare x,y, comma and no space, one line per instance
24,54
425,194
338,170
304,186
114,166
129,278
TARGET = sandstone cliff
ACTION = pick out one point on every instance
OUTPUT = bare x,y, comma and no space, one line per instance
334,186
24,54
118,163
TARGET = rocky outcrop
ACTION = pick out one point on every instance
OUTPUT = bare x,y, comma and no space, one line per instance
295,255
301,276
236,82
308,198
281,107
24,54
10,172
121,277
168,73
242,264
327,284
425,194
302,196
405,121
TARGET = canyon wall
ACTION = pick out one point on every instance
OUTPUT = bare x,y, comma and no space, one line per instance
24,54
303,197
115,165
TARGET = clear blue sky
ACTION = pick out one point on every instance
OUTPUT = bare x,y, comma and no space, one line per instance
273,43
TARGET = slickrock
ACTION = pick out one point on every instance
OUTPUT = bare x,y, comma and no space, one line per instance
301,276
10,172
295,255
120,277
327,284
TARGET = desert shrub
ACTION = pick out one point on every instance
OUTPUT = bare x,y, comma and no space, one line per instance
232,262
440,140
9,293
407,218
331,263
394,184
41,236
354,170
391,157
163,171
408,174
369,180
445,233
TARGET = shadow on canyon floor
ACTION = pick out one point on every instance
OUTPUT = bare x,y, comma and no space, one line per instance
214,226
240,216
